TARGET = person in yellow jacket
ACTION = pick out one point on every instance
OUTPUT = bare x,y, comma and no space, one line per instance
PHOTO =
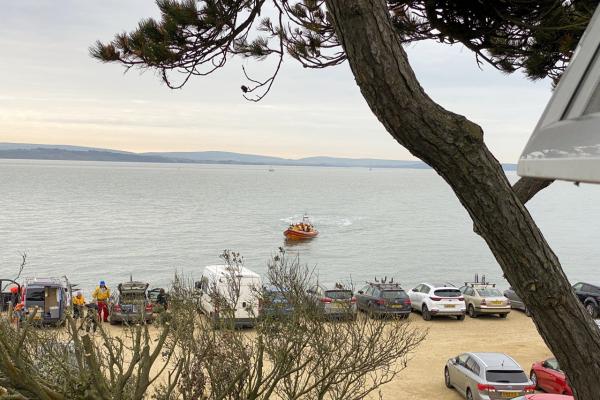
101,295
78,303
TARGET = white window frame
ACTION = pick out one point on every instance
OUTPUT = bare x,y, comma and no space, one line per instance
551,152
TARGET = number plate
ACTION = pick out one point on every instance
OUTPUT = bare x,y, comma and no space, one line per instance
396,305
510,395
497,302
450,305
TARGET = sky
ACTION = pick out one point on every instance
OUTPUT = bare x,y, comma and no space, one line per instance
53,92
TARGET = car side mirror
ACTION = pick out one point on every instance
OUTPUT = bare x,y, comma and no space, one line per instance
360,292
455,360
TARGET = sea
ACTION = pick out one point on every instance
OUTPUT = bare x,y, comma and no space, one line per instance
94,221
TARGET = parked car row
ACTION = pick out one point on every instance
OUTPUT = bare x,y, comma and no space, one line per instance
487,376
490,376
48,299
377,298
588,294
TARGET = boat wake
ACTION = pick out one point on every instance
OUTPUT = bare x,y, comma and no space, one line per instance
324,221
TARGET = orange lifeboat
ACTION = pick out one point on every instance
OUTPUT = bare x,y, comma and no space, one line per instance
301,230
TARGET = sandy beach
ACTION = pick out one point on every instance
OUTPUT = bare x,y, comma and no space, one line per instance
423,377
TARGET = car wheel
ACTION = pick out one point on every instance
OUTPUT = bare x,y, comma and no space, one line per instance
591,309
503,315
472,312
534,379
425,313
447,378
460,317
469,394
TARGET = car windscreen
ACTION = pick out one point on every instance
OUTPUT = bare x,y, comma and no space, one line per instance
506,376
35,294
338,294
448,293
393,294
275,295
489,292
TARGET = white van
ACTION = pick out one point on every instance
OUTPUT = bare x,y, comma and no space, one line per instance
219,278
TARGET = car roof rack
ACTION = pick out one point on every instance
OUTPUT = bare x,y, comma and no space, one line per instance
480,282
384,282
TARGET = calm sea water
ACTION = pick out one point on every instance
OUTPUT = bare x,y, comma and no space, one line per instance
95,221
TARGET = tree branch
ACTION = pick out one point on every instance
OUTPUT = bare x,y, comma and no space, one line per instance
525,188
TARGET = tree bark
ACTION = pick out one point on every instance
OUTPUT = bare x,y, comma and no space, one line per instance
454,147
526,188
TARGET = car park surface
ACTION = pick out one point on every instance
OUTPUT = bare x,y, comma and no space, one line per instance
422,378
516,335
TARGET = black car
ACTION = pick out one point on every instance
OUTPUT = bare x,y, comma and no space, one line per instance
589,295
383,299
515,301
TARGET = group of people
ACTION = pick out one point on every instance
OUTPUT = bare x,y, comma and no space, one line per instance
304,227
101,295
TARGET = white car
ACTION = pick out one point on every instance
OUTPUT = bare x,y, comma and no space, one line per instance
437,299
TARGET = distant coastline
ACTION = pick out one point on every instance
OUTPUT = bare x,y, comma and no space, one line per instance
28,151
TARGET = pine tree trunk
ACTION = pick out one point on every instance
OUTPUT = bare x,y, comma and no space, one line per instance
454,147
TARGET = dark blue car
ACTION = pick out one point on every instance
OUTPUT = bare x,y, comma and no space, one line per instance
274,303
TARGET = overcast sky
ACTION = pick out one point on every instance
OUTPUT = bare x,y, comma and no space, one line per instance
51,91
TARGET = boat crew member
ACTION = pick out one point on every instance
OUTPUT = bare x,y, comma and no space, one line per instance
101,295
78,303
14,296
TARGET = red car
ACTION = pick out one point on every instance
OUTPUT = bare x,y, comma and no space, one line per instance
544,396
547,376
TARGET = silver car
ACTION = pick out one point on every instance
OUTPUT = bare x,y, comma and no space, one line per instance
487,376
337,302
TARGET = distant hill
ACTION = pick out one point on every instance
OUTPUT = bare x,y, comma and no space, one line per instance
220,156
66,152
28,146
79,155
237,158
